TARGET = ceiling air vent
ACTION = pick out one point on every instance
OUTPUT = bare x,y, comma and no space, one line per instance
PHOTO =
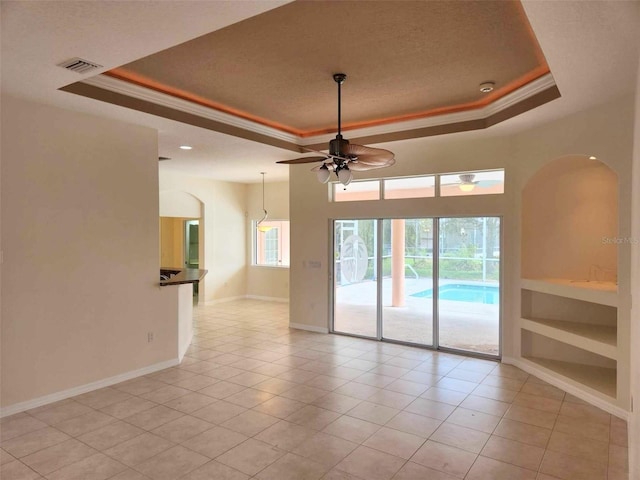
160,159
79,65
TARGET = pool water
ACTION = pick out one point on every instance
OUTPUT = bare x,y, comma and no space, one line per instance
486,294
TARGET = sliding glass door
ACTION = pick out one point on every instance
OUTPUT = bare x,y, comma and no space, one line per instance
429,282
407,280
469,284
355,277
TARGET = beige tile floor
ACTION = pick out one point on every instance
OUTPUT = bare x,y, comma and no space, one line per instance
254,399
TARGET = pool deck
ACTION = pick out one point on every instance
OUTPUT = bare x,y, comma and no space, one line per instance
463,325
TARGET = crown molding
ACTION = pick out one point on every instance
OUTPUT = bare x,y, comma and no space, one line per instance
136,91
142,93
529,90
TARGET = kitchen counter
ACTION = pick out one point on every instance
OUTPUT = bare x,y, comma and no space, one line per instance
179,276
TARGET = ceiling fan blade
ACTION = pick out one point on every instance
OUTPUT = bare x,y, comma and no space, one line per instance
297,161
362,165
369,152
312,150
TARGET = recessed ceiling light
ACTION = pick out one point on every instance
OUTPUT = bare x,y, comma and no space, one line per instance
593,158
487,87
186,147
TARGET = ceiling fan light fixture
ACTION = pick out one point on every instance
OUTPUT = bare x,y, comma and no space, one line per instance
345,176
323,174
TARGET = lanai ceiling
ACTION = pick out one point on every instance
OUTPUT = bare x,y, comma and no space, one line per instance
414,69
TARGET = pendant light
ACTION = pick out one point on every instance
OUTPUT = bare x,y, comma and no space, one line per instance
263,228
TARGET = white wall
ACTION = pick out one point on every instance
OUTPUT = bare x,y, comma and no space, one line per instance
179,204
222,230
185,317
311,210
605,132
266,282
634,422
80,244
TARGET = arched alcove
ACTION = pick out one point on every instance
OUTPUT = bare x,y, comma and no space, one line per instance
175,203
569,297
570,222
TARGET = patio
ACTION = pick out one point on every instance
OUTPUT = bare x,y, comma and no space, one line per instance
464,325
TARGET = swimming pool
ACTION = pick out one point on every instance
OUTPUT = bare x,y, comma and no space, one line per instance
459,292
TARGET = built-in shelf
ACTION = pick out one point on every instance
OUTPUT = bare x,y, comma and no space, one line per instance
600,339
599,379
604,293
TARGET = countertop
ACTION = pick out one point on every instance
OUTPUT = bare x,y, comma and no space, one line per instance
183,275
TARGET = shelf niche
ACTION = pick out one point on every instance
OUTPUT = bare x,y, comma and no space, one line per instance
569,295
574,364
591,320
570,222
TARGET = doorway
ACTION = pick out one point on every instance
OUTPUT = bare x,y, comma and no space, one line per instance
191,244
430,282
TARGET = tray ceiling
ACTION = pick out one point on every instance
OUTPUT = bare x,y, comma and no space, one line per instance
413,67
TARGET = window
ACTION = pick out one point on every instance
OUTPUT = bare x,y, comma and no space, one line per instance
410,187
271,245
483,182
362,190
472,183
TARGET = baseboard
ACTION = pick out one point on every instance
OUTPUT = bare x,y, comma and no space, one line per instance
567,387
224,300
244,297
89,387
268,299
309,328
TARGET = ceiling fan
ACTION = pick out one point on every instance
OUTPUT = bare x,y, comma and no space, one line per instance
344,158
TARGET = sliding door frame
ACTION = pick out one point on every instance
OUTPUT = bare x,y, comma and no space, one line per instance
435,288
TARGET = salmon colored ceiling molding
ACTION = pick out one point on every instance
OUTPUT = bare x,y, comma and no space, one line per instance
141,80
137,79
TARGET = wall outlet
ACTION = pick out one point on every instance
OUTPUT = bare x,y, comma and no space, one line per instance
150,337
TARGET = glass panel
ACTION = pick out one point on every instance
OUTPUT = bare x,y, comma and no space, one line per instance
407,276
272,243
413,187
366,190
472,183
469,284
355,277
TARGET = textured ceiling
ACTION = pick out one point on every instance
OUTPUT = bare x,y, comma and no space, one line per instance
404,60
583,43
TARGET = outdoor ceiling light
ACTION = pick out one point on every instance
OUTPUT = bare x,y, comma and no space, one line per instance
466,182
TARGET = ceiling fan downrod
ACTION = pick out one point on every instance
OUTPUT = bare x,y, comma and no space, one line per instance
338,146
